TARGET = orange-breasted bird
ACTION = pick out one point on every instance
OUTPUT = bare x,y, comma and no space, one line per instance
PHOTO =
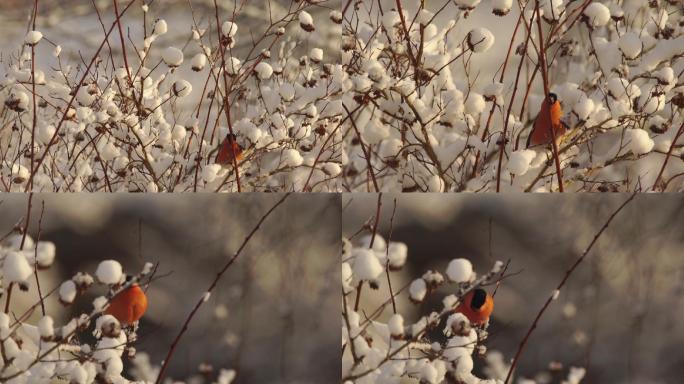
549,117
477,306
228,150
129,305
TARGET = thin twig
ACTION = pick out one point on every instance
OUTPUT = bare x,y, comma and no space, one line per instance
561,284
213,284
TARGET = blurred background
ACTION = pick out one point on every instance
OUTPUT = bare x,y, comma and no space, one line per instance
274,315
619,315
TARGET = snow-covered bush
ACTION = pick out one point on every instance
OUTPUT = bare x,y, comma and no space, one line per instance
382,352
90,347
450,90
397,326
123,117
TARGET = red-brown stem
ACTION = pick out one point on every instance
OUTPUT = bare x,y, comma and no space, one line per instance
366,154
561,284
213,284
33,91
123,45
667,157
510,106
387,267
501,78
226,100
35,266
53,139
545,77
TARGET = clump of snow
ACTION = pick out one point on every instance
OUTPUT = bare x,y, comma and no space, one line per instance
598,14
459,270
67,292
417,290
306,21
229,29
263,70
33,37
630,45
519,161
15,268
199,61
396,325
109,272
173,57
480,40
366,265
501,7
639,141
181,88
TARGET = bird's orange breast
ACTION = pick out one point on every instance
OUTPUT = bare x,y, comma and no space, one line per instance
476,316
548,118
129,305
229,149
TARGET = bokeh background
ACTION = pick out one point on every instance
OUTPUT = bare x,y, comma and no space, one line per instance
619,315
273,316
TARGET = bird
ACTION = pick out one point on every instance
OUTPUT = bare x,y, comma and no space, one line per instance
129,305
477,306
549,116
229,150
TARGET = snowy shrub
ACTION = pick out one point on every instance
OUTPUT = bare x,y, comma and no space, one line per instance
48,350
131,121
398,326
94,339
382,352
450,91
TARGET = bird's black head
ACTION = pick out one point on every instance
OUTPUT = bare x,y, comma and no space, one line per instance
479,299
231,137
553,98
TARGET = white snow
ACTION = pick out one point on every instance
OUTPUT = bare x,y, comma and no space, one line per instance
459,270
15,268
639,141
397,253
264,70
67,292
181,88
33,37
199,61
502,7
160,27
210,171
173,57
598,14
630,45
45,253
46,327
467,4
366,265
229,29
480,40
519,161
418,290
396,325
292,158
109,272
316,55
475,104
306,21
